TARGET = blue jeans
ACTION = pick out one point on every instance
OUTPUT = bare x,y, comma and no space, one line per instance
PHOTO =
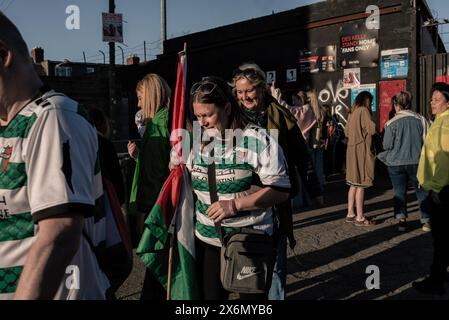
277,290
400,176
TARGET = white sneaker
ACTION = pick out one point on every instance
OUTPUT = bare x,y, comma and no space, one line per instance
426,227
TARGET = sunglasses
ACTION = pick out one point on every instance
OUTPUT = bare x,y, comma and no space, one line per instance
247,73
207,87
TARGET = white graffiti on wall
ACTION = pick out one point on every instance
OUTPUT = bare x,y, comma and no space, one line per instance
336,99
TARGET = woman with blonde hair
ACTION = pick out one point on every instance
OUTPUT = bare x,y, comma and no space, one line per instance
259,107
310,119
315,139
359,157
152,159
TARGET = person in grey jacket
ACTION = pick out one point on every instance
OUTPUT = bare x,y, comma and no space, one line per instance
403,140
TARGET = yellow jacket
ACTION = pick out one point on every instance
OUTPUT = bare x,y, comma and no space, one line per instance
433,169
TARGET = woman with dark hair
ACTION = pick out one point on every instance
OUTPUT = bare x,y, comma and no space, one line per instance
359,157
250,171
433,175
109,163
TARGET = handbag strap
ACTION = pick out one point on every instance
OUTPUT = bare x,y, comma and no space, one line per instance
212,180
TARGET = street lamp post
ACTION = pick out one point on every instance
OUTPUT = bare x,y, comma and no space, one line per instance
123,54
104,56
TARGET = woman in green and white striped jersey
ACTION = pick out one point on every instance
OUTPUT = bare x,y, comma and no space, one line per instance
251,176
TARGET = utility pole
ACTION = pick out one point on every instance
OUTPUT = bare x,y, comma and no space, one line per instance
112,44
112,106
163,24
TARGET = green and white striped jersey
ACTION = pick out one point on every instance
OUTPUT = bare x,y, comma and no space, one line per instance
48,166
256,154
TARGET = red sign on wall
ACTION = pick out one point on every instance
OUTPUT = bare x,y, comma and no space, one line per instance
387,89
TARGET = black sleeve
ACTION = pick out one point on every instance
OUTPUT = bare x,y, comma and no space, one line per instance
110,167
301,158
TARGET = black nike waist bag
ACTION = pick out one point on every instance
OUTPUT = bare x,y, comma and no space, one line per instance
247,261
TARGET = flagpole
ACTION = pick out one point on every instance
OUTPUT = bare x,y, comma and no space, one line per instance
173,225
170,258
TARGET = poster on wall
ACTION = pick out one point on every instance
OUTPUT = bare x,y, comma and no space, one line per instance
371,88
387,89
322,59
359,46
394,63
351,78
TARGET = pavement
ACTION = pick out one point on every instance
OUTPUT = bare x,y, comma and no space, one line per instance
336,260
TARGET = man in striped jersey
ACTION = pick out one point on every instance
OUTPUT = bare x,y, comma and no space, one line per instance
48,186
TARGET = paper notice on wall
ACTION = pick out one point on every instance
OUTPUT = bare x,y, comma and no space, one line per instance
394,63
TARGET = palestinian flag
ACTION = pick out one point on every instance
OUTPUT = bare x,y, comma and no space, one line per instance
173,214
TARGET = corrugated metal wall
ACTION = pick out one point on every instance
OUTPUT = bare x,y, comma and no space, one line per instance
433,68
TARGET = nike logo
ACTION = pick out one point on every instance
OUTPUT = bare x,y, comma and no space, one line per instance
247,272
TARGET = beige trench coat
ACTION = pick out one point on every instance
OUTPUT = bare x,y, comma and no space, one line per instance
359,157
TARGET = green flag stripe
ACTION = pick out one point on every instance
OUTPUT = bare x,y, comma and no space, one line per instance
210,232
16,227
9,278
224,188
13,177
185,286
19,127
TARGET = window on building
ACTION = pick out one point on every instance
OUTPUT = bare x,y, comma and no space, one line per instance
90,70
63,71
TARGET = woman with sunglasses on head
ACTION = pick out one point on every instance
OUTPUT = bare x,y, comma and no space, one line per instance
153,96
360,159
250,173
259,107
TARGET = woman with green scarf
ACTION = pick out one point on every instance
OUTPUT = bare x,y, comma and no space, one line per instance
153,95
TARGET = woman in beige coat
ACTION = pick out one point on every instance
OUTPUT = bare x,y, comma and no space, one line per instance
359,157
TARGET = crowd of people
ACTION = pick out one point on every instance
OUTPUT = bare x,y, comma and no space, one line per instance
54,210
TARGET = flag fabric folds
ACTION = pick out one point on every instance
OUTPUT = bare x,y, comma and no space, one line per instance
173,216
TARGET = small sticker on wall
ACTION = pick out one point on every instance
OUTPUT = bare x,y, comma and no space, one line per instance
271,76
291,75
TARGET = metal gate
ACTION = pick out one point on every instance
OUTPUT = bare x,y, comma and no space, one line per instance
433,68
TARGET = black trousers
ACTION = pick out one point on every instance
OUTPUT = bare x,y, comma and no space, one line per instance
208,257
439,221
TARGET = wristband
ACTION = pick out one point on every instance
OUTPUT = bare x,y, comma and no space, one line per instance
234,207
